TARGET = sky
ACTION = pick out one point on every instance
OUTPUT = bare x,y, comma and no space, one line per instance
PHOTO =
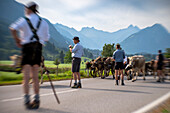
107,15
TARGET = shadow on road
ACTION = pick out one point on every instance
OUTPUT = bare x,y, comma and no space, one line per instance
113,90
154,82
148,86
56,86
46,110
109,78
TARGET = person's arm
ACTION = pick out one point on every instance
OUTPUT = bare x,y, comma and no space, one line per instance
70,48
16,37
14,28
74,49
114,56
123,55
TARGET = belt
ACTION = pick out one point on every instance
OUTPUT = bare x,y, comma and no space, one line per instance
76,58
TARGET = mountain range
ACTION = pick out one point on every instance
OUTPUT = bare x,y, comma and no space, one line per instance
95,39
132,39
150,40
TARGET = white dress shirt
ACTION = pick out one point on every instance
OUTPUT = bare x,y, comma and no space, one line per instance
25,32
77,51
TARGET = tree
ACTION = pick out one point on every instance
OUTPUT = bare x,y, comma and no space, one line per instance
167,53
57,62
68,58
87,53
108,50
61,56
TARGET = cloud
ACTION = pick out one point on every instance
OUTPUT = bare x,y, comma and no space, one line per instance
108,15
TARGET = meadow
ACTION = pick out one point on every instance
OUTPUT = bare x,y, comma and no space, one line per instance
8,72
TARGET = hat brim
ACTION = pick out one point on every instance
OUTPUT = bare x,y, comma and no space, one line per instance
76,39
30,9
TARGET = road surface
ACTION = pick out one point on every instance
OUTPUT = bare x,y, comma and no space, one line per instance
96,96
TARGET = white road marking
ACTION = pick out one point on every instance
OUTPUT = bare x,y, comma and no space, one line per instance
47,94
45,83
153,104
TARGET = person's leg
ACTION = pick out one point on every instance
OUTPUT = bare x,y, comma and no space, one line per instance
78,75
79,78
119,74
74,71
116,74
78,72
122,77
162,75
26,72
116,77
75,77
158,73
35,71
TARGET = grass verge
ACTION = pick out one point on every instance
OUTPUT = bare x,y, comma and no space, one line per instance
11,78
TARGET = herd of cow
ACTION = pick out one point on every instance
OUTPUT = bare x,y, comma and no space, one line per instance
134,66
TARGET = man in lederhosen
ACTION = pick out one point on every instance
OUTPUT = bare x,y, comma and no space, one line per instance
34,32
77,52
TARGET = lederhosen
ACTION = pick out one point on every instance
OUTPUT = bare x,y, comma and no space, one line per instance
76,64
32,52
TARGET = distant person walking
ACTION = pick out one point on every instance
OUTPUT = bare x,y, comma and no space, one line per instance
33,32
119,56
77,52
125,62
160,59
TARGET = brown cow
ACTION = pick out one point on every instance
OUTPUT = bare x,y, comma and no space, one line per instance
136,64
150,68
91,68
109,65
98,65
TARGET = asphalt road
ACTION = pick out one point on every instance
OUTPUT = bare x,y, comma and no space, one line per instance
96,96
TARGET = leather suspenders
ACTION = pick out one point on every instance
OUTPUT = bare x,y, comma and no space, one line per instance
34,31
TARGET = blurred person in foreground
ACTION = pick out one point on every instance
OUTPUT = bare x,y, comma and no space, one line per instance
33,32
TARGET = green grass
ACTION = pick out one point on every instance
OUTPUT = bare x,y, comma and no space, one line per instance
48,64
165,111
6,62
13,78
64,72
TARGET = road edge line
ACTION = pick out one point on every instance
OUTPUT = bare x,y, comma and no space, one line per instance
153,104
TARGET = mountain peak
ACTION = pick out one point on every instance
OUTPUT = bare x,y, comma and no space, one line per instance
157,25
130,26
87,28
158,28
